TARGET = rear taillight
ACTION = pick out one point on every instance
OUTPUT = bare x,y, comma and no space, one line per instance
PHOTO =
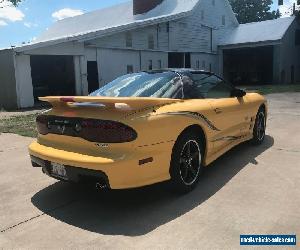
106,131
93,130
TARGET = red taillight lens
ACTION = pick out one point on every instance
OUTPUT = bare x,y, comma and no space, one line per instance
41,122
93,130
107,131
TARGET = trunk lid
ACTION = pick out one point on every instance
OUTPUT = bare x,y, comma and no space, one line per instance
67,112
115,108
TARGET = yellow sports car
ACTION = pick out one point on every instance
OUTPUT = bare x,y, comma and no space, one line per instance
145,128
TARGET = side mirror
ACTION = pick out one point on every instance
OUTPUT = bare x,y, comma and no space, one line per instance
239,93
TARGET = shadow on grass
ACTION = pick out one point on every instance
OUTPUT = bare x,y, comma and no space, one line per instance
139,211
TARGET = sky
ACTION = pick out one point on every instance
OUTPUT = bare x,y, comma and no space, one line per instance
32,17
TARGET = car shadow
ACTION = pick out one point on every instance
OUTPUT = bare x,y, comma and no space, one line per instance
139,211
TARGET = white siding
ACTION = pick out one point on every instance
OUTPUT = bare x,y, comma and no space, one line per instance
290,54
186,36
70,48
193,34
139,39
213,13
112,63
91,54
204,62
163,37
155,57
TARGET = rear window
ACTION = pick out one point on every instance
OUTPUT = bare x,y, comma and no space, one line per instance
144,84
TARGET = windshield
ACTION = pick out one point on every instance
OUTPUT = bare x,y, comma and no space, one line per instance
144,84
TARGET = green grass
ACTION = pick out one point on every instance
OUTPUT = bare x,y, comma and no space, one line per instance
22,125
271,89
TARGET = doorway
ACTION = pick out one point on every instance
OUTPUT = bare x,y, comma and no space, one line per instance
249,66
52,76
92,77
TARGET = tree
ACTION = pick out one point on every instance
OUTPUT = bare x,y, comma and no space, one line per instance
248,11
14,2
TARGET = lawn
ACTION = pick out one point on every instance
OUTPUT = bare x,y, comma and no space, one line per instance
271,89
22,125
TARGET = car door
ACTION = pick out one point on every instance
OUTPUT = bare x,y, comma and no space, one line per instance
229,114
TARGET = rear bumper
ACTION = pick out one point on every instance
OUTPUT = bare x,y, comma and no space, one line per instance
74,174
120,173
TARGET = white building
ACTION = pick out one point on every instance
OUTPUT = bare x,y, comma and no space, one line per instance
79,54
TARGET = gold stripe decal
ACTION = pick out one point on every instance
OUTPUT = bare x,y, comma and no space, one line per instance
196,116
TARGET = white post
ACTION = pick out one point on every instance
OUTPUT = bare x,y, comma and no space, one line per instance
84,81
24,81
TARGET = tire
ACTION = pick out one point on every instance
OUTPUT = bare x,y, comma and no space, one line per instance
186,163
259,130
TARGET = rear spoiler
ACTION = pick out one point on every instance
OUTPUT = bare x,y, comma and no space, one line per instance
109,102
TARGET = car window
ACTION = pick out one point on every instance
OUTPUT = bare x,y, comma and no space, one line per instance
218,89
144,84
207,86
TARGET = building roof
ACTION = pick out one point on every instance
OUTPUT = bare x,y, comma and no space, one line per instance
115,18
108,20
271,30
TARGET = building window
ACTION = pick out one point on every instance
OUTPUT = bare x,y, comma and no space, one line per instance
202,15
297,38
197,64
128,40
150,67
159,64
203,64
129,69
223,20
150,41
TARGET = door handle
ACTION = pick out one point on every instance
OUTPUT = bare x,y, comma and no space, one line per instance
218,111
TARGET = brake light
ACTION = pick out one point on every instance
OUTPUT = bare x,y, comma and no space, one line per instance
107,131
67,99
101,131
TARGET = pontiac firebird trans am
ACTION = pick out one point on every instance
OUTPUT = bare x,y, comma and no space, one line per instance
147,127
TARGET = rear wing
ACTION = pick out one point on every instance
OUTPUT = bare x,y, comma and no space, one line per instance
131,103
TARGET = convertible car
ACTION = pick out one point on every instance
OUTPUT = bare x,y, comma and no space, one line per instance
145,128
